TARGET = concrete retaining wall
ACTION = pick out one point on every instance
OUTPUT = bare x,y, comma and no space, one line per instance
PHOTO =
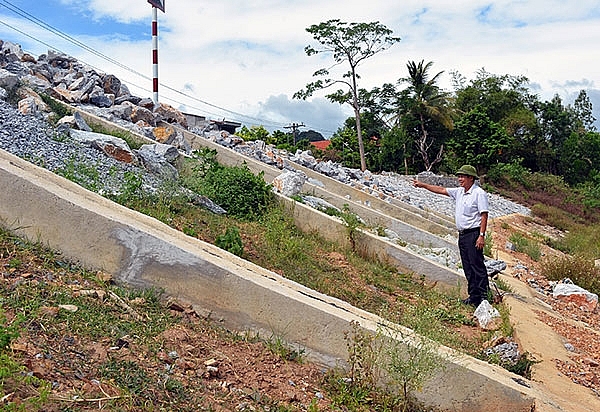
141,251
413,225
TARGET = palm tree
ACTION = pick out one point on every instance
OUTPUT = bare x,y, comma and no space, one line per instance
428,102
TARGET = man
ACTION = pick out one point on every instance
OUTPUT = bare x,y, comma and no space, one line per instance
471,216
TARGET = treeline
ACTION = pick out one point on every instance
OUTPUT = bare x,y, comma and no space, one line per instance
489,122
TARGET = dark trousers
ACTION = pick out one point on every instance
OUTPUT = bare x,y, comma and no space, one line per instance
474,266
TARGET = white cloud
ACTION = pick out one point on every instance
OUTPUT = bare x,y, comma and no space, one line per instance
247,56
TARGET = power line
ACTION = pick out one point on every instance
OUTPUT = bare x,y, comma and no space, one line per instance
26,15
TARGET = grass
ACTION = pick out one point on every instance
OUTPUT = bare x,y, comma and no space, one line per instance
569,211
271,241
138,373
269,238
526,245
583,272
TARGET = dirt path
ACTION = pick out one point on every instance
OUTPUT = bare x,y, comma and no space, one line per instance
545,327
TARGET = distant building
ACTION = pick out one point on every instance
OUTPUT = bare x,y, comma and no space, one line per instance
321,144
194,120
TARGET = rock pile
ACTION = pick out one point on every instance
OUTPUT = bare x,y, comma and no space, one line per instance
104,95
66,79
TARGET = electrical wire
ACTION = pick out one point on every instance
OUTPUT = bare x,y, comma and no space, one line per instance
24,14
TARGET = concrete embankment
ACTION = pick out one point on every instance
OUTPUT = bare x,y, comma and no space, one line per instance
143,252
425,229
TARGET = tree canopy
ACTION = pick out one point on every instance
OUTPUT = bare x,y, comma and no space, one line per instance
350,43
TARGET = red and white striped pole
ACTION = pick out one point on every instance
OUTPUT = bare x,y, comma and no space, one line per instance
155,56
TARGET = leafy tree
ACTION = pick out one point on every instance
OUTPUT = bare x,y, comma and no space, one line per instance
395,150
478,140
583,111
253,133
556,123
580,157
278,137
350,43
506,102
499,95
427,103
345,140
345,143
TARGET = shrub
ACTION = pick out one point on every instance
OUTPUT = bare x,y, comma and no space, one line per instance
581,271
231,241
510,175
236,189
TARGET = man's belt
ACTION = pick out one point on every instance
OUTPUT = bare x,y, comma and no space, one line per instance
465,231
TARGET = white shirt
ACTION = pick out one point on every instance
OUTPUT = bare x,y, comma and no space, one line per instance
469,206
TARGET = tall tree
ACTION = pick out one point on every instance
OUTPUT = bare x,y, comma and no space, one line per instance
506,102
428,103
350,43
584,111
477,140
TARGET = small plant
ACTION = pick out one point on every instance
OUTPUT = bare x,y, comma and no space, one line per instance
506,327
127,375
352,222
522,366
203,160
231,241
278,346
7,333
243,194
409,363
525,245
355,388
362,356
59,109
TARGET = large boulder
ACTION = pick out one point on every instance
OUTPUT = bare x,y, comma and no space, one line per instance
110,145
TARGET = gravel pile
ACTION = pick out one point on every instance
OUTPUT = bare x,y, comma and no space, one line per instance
32,138
423,199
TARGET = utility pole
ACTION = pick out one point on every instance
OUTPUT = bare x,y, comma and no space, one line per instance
294,127
156,5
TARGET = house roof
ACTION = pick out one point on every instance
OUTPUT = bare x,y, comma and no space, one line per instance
321,144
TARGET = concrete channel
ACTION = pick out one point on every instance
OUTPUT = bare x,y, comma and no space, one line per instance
143,252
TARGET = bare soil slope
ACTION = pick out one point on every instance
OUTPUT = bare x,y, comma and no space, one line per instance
563,338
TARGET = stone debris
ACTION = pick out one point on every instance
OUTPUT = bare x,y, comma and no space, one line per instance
506,351
567,291
486,314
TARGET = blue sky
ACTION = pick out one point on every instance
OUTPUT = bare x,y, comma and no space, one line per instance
244,59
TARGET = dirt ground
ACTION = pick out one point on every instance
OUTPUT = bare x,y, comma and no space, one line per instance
562,337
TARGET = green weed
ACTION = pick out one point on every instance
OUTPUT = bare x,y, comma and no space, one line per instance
525,245
279,346
231,241
583,272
